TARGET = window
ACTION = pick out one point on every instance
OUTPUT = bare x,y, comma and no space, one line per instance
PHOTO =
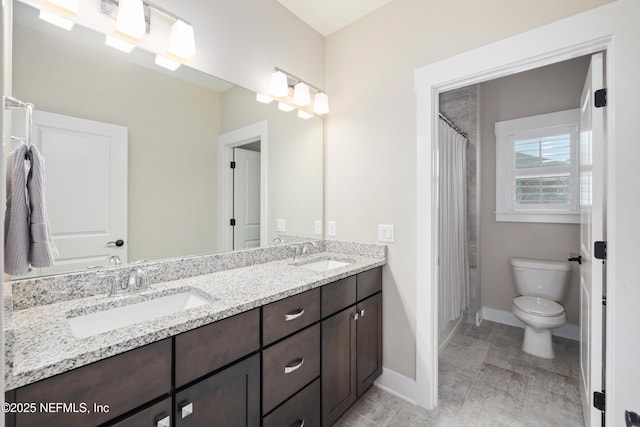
537,168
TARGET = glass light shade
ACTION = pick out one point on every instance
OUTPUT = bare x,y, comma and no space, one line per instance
263,98
167,63
304,115
285,107
119,44
321,103
130,20
301,95
279,85
56,20
68,5
182,43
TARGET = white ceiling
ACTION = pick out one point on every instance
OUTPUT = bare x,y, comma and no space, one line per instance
328,16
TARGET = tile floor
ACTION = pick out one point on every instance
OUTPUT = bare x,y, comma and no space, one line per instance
486,380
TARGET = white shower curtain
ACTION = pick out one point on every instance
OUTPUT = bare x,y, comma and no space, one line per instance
453,265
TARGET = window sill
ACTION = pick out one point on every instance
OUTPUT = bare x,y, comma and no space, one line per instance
542,217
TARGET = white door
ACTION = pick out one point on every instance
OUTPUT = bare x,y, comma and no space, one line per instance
592,229
85,189
246,199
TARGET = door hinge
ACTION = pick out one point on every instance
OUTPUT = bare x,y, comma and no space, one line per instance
600,98
599,400
233,165
600,250
232,222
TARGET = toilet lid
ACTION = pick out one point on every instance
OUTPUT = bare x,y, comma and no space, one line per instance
538,306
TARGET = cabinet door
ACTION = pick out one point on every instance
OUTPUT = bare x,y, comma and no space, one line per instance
154,416
338,364
369,347
230,398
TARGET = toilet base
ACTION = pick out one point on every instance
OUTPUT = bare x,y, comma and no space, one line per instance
537,342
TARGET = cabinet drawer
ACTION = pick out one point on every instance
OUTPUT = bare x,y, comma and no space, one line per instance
229,398
282,318
206,349
303,409
290,365
148,417
123,382
369,282
338,295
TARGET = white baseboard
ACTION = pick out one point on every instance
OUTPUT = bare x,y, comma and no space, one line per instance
568,330
397,384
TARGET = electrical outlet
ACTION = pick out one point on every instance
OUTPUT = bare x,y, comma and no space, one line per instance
281,224
317,227
332,228
386,233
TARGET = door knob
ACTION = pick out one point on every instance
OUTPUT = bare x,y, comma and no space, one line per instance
632,419
117,243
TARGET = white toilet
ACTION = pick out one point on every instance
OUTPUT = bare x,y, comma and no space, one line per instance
540,284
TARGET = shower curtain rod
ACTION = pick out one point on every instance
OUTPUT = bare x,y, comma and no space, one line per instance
450,123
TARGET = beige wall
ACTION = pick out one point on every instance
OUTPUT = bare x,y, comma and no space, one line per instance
544,90
169,213
371,132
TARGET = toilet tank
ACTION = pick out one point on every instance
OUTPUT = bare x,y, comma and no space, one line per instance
540,278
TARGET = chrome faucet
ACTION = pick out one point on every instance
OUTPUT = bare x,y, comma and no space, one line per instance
278,240
306,246
138,279
114,260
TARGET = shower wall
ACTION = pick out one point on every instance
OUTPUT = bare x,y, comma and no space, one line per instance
461,107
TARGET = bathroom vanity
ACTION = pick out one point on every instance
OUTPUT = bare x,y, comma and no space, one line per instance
279,344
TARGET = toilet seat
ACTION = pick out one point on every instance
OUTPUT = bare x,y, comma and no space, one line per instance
538,306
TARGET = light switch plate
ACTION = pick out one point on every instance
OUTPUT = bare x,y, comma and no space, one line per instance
281,224
317,227
386,233
332,228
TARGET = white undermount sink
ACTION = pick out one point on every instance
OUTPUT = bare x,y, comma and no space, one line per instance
110,319
326,264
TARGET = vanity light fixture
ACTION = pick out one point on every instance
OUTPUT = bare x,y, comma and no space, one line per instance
321,103
56,20
167,63
279,86
130,19
285,107
282,82
182,43
301,95
264,98
119,44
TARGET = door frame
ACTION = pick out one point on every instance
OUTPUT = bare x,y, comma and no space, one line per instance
226,143
578,35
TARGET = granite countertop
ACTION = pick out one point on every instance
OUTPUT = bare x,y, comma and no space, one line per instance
39,342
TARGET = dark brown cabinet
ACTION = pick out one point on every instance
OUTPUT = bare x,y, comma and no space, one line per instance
300,361
351,343
230,398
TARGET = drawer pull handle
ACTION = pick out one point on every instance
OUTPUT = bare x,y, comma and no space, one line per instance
186,409
293,315
301,422
164,422
355,315
294,365
362,313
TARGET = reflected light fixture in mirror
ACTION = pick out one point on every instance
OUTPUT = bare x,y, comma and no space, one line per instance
56,20
321,103
285,107
264,98
130,18
279,86
304,115
119,44
301,95
182,43
167,63
53,15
